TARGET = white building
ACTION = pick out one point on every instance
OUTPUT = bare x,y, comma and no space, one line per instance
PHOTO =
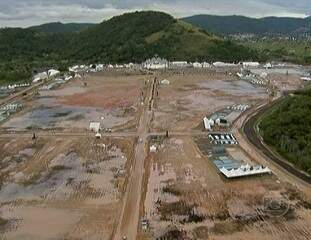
251,64
222,64
208,123
155,63
267,66
222,122
153,149
179,64
95,126
245,170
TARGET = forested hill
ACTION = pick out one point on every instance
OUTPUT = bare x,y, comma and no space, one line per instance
58,27
131,37
288,129
137,36
240,24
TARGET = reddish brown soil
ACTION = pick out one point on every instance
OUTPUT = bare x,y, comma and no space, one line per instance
105,97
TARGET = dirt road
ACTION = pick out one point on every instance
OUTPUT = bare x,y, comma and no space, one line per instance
129,218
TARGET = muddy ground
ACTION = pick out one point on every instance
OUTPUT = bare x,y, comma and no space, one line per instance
182,105
111,99
56,188
187,197
66,187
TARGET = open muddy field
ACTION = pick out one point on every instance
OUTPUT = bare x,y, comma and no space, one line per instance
110,99
187,198
56,188
67,186
186,195
189,97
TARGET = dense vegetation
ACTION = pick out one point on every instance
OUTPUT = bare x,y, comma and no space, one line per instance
58,27
288,129
282,50
131,37
240,24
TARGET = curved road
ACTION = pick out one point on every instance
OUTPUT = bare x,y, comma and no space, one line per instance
250,142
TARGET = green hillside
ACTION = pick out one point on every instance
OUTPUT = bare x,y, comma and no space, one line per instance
140,35
131,37
241,24
288,129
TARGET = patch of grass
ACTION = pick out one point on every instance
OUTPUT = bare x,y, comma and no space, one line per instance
200,232
225,228
3,222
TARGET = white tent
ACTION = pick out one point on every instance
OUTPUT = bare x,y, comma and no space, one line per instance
53,72
165,82
39,77
153,148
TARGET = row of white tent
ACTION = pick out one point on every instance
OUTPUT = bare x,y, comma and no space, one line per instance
11,107
99,67
13,86
45,75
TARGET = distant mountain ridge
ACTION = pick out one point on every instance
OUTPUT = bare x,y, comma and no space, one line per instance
58,27
131,37
240,24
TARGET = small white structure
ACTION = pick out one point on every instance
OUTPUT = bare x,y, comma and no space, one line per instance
165,82
251,64
95,126
208,123
155,63
197,65
268,66
245,170
153,149
222,64
40,77
77,75
222,122
98,135
206,65
307,79
179,64
53,73
263,75
68,78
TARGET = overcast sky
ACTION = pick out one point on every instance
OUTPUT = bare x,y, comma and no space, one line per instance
21,13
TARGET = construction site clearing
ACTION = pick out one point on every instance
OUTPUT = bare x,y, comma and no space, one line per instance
125,154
